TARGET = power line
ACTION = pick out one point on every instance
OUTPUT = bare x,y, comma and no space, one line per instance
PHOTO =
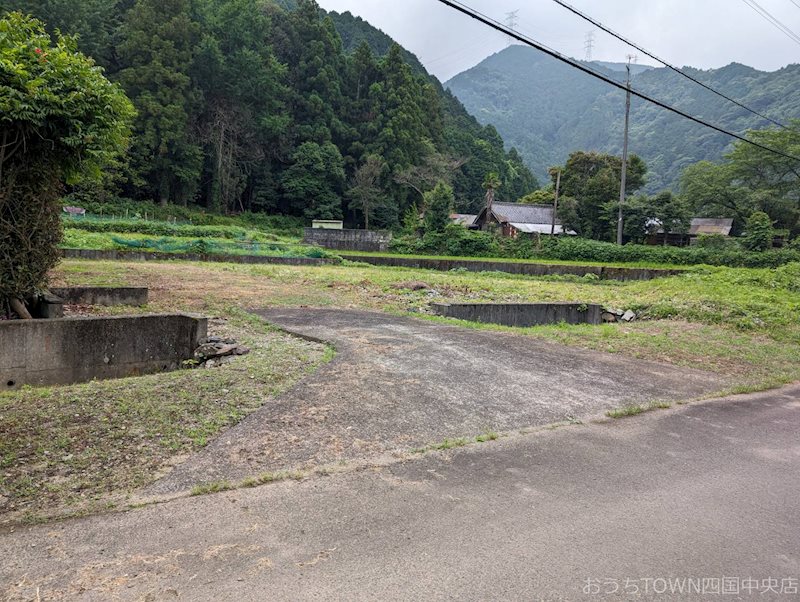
677,70
773,20
795,2
470,12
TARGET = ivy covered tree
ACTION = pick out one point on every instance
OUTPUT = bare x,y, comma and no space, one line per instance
60,119
315,180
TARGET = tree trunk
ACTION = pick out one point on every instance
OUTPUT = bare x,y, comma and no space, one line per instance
19,307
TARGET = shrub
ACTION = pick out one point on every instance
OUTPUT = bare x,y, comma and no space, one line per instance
60,119
759,232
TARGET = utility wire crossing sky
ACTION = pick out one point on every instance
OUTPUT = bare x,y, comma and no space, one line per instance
706,34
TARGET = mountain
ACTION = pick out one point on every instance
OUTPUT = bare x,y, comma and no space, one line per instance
547,109
276,106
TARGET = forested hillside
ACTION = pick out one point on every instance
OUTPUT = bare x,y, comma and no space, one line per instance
547,109
259,105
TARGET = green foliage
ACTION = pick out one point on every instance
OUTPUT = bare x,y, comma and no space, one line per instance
590,183
546,109
750,180
228,93
60,119
314,181
759,233
459,242
438,207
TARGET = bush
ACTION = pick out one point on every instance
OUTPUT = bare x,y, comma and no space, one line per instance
60,119
759,232
458,241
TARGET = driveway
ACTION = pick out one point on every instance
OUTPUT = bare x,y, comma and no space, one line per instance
626,509
400,383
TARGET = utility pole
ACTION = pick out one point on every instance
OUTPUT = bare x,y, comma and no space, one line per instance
555,204
625,151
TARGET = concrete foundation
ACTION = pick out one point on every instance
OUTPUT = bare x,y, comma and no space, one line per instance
102,295
66,351
522,314
349,240
148,256
515,267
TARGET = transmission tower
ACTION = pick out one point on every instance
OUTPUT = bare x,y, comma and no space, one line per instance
588,46
512,21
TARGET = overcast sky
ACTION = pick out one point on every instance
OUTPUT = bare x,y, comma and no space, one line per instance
699,33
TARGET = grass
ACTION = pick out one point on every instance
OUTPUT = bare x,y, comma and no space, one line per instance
635,410
634,264
78,448
255,245
741,323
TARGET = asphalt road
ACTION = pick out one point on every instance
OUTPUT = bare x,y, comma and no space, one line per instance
705,491
398,383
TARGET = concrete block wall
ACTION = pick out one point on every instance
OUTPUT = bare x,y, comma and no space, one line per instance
522,314
349,240
65,351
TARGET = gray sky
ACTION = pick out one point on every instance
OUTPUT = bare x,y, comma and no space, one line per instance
699,33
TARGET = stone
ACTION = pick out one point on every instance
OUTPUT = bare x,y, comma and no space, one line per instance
628,316
3,501
617,312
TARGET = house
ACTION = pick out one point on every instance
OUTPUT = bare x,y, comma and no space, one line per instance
699,226
519,218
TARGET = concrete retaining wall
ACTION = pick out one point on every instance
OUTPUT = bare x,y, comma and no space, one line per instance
522,314
65,351
145,256
349,240
102,295
527,269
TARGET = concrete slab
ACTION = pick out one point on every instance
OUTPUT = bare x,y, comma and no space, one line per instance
700,492
398,383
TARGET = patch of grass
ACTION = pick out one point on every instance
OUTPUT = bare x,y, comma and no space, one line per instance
741,323
215,487
635,410
487,436
84,446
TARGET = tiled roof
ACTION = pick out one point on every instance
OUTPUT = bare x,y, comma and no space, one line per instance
523,214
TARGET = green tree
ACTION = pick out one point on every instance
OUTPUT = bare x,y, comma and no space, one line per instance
438,207
759,232
593,180
61,119
314,180
365,192
156,55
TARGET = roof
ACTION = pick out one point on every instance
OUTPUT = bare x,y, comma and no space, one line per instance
538,228
708,225
463,219
521,213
